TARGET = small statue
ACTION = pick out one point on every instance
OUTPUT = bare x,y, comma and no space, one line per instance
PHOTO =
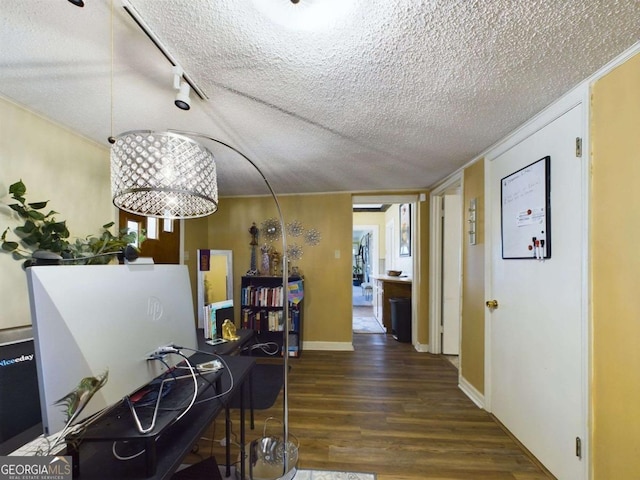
265,265
229,331
253,269
275,263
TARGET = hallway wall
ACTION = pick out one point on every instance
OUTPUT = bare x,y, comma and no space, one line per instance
615,230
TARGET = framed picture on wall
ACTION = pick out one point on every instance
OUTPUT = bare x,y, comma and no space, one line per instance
405,230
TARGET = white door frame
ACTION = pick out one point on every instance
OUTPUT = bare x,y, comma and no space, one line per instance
580,95
435,257
413,199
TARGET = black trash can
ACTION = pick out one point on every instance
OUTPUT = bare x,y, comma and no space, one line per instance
401,319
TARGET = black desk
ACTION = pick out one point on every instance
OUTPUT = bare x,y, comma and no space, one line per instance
227,348
96,460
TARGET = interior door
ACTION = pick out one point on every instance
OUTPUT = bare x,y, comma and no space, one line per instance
537,345
163,237
451,250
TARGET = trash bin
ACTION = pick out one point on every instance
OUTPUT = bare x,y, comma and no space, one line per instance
401,319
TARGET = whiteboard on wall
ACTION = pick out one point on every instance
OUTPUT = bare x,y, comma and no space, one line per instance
526,212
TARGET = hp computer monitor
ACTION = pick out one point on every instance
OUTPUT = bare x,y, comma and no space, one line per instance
88,319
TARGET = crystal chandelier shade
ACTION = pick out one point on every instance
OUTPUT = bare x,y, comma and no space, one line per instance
163,174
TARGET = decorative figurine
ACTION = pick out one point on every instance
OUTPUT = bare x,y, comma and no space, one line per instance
265,265
275,263
229,331
253,269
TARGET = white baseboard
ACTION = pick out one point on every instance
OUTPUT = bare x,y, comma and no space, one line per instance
471,392
422,347
332,346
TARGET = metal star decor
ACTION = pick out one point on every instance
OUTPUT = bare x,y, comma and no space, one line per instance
295,228
312,237
270,230
294,252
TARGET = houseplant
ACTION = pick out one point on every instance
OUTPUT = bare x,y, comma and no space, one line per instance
42,232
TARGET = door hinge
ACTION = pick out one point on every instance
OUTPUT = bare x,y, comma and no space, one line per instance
578,147
578,447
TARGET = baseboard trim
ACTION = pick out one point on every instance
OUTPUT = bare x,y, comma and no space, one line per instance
422,347
331,346
472,392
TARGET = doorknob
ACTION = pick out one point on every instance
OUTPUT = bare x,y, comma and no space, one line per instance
492,304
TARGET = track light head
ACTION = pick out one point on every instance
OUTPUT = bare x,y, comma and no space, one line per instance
183,101
77,3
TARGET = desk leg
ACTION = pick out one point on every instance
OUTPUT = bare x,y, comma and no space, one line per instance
251,398
74,451
151,457
242,431
227,431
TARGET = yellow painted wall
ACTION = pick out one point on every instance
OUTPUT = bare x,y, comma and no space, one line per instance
472,338
56,165
615,230
326,267
421,275
328,302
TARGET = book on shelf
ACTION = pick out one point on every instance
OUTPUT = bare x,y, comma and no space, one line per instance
260,296
210,310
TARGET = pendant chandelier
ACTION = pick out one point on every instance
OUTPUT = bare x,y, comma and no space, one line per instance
163,174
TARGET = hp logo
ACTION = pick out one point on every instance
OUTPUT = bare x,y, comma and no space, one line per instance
154,309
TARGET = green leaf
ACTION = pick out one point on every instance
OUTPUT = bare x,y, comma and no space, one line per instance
35,215
32,240
59,227
18,189
108,225
18,256
28,227
38,205
20,209
9,246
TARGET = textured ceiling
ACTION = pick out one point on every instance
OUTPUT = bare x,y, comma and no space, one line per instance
325,95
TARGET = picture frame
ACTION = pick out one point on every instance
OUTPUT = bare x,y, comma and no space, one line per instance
405,230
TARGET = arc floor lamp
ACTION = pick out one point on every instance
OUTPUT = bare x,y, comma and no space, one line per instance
170,175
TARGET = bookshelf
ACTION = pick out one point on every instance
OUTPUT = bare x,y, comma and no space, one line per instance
262,310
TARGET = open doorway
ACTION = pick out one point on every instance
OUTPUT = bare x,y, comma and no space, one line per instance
377,248
446,269
365,268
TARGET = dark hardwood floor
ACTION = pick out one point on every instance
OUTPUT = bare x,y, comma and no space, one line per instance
388,409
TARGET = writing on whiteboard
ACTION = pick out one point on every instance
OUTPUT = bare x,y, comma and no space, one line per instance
520,185
531,216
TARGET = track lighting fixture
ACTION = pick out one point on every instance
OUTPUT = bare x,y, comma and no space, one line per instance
182,98
77,3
